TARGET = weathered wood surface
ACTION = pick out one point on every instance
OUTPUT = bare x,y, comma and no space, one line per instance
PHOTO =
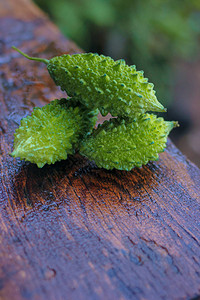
73,231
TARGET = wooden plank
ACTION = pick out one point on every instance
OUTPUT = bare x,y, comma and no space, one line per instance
73,231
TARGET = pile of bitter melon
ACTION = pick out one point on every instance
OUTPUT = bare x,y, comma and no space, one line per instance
95,83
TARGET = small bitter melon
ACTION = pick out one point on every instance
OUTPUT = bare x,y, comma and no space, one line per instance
100,82
123,145
53,131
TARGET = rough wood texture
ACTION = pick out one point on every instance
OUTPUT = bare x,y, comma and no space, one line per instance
73,231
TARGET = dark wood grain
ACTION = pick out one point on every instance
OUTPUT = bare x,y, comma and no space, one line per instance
71,230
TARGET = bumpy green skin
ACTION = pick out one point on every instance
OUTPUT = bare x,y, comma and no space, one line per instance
52,132
111,86
120,145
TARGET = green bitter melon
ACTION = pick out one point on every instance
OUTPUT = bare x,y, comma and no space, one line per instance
100,82
123,145
52,132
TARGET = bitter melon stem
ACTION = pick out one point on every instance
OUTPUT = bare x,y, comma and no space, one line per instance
46,61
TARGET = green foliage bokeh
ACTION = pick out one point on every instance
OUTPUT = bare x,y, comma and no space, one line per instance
150,33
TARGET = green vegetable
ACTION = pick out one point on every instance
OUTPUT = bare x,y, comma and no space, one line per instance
95,83
52,132
124,145
100,82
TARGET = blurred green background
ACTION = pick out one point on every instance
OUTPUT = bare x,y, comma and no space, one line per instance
158,36
148,33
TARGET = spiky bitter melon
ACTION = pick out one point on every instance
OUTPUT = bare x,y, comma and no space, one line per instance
123,145
100,82
52,132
